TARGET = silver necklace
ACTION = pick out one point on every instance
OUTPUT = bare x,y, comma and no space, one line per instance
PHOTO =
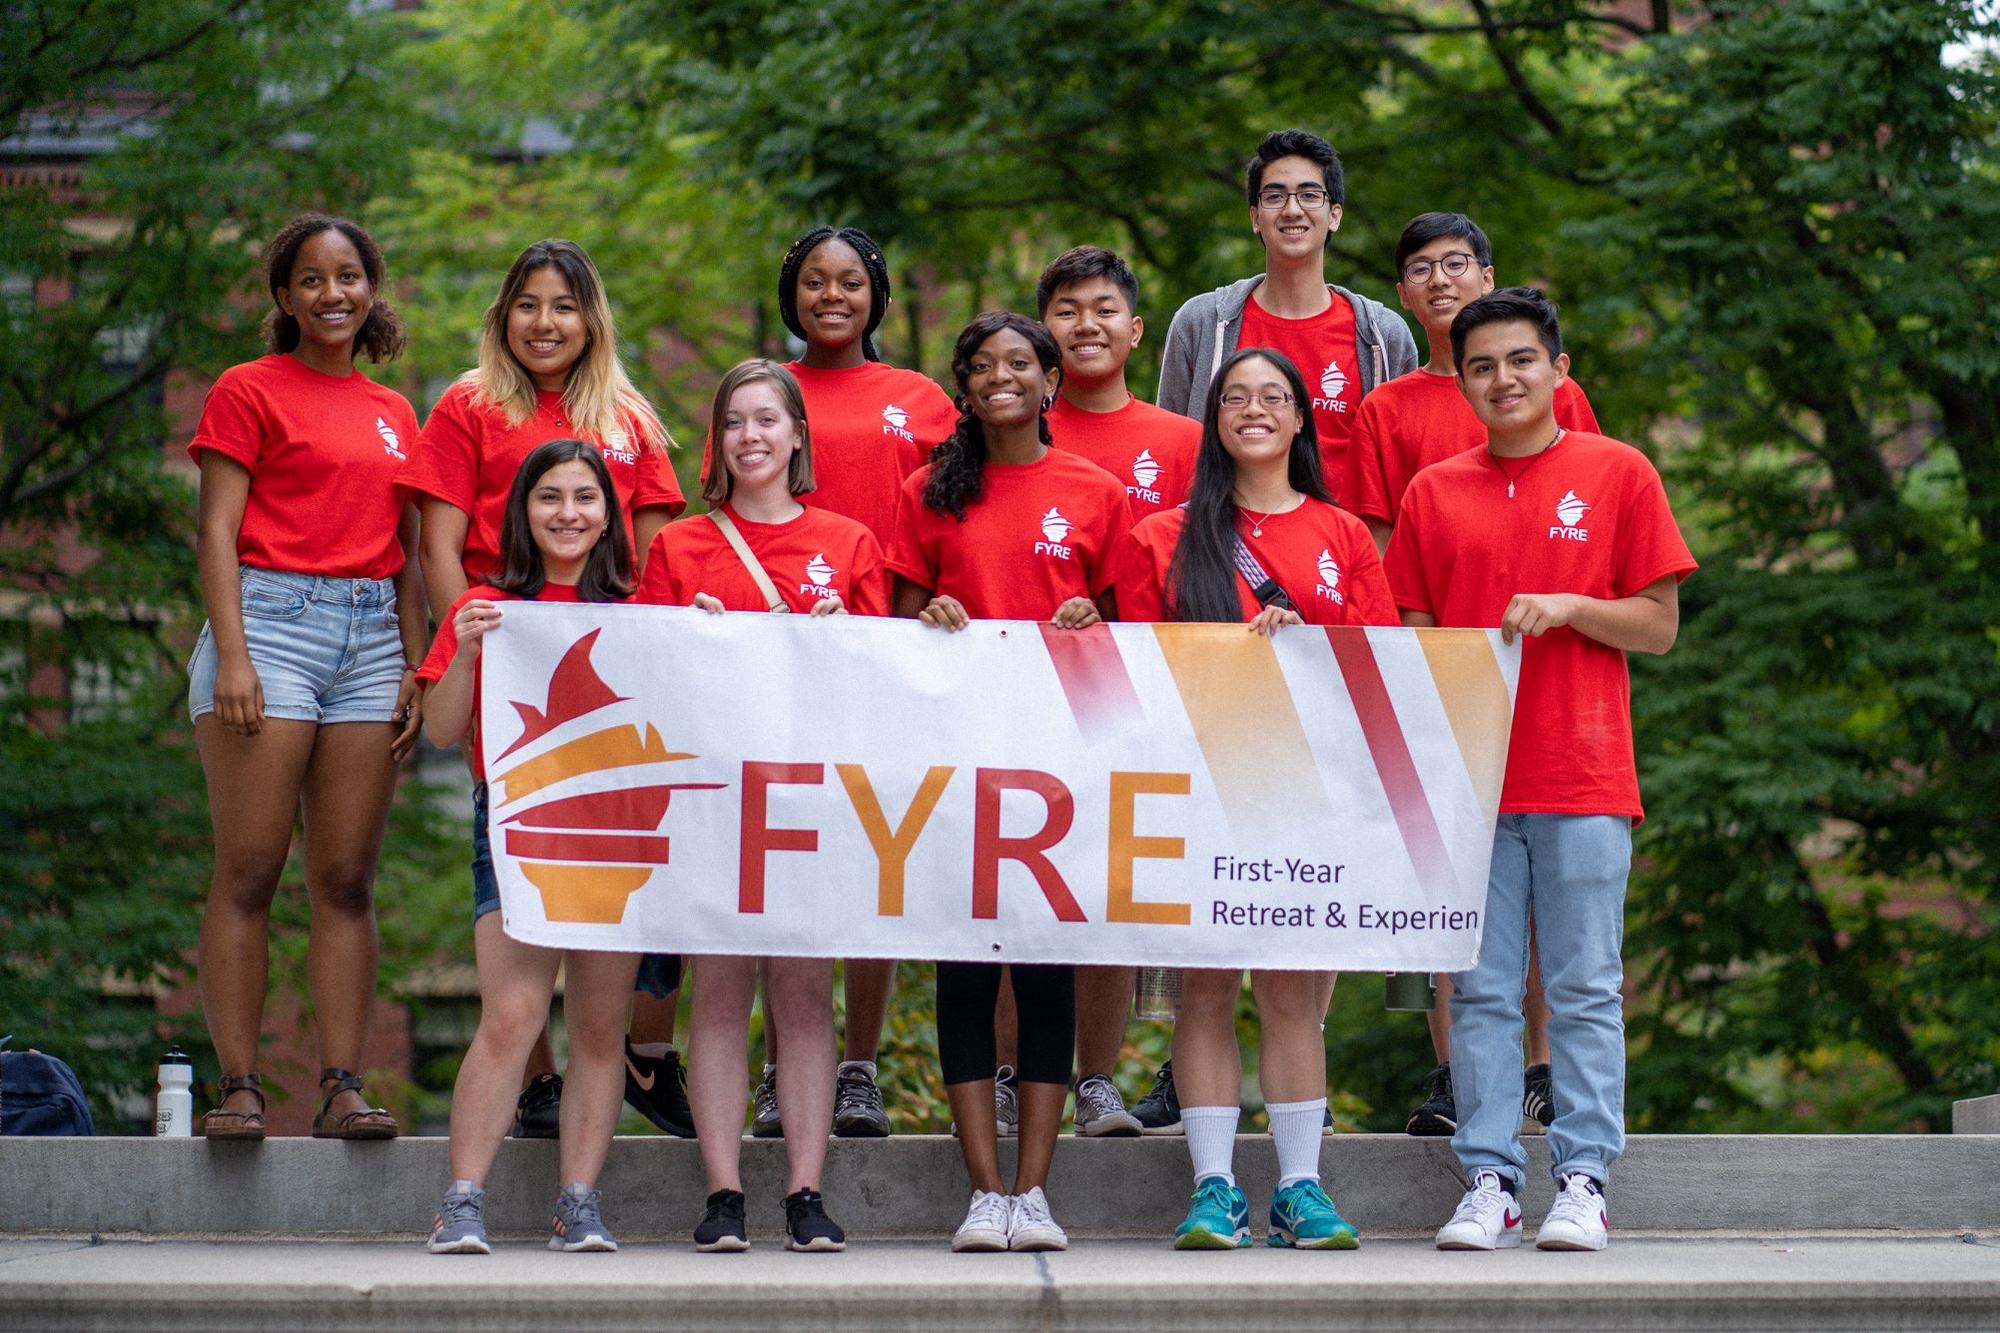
1533,459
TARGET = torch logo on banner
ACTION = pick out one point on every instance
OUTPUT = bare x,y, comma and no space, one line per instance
587,851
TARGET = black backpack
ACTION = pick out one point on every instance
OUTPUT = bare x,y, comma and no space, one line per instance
39,1094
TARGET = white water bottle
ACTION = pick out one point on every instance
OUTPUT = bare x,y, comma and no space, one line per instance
173,1114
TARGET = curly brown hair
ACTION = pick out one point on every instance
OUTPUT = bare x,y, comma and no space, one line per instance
381,337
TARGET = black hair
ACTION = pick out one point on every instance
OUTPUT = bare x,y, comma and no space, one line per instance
381,336
1297,143
958,466
1202,574
871,260
1427,227
1509,303
1080,264
607,572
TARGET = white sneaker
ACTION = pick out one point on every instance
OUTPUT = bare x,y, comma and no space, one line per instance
1100,1111
1578,1220
1487,1218
1031,1227
1006,1103
985,1226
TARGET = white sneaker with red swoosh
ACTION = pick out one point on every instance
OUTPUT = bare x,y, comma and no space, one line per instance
1578,1220
1487,1218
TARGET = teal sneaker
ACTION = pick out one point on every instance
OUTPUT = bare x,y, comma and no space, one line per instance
1302,1216
1218,1218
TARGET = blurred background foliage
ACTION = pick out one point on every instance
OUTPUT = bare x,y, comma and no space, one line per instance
1768,225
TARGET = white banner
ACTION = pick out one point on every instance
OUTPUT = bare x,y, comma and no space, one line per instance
673,781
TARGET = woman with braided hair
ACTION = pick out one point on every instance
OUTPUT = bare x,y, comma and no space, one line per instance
1001,526
872,425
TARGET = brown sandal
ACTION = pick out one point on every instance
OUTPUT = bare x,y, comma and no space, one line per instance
225,1124
370,1123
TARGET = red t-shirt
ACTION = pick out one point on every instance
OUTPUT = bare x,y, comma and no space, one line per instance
1148,448
814,556
1588,516
445,647
1418,419
322,451
872,426
1324,349
1039,534
1321,556
470,454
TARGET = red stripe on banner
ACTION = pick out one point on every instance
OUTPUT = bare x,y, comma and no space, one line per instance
1393,764
617,848
1094,679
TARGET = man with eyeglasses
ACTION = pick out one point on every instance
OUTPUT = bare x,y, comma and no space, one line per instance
1443,264
1344,343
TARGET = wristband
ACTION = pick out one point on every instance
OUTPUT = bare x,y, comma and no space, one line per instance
409,667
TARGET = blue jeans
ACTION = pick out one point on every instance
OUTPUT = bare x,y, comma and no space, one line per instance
1570,870
326,650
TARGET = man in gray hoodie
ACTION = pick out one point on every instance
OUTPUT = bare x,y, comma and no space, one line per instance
1343,343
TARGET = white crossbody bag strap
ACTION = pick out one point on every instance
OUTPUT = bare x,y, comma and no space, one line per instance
734,536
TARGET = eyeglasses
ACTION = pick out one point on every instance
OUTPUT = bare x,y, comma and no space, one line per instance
1311,198
1454,265
1273,401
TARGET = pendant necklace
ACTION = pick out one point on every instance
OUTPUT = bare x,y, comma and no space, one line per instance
1533,459
1256,523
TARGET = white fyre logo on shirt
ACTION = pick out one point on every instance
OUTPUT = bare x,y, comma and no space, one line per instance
1054,527
1329,577
1570,511
822,574
896,422
1332,381
392,443
618,446
1145,469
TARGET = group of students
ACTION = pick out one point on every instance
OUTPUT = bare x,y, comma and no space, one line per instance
1301,468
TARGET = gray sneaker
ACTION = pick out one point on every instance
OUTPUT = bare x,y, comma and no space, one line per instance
1100,1111
579,1225
764,1122
1006,1104
460,1225
857,1104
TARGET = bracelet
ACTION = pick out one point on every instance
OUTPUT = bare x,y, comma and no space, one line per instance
408,667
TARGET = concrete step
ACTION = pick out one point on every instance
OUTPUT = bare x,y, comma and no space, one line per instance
914,1186
1818,1282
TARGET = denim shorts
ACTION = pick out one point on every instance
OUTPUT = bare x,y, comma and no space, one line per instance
326,650
659,973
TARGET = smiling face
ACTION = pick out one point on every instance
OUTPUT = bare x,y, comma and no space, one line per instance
1004,380
833,295
1259,426
1509,378
1094,327
567,513
759,436
1437,296
545,328
1293,233
328,293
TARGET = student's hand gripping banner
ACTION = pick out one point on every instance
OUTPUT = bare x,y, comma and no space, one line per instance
668,780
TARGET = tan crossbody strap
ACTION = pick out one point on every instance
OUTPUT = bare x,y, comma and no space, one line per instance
734,536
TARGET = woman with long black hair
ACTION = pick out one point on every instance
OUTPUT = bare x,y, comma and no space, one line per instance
998,525
1258,541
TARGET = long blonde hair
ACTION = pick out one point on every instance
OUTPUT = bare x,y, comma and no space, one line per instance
598,396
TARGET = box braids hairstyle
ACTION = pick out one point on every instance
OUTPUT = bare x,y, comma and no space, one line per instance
871,260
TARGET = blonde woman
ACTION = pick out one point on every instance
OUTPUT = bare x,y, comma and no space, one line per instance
549,370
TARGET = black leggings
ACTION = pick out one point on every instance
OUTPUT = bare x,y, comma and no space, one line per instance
1044,1000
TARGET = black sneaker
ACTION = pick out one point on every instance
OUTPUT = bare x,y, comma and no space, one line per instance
1538,1100
807,1227
720,1230
765,1122
857,1104
538,1113
1159,1111
1437,1118
657,1089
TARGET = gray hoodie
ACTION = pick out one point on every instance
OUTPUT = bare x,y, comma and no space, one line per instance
1205,330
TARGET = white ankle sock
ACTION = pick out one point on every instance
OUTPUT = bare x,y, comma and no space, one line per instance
867,1066
652,1050
1295,1129
463,1187
1211,1139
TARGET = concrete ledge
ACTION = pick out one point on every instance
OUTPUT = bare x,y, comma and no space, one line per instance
1793,1283
915,1185
1976,1115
